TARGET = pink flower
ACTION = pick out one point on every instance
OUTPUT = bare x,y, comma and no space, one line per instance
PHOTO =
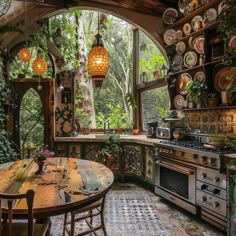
88,111
81,101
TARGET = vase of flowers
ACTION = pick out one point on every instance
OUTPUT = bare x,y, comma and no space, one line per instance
40,155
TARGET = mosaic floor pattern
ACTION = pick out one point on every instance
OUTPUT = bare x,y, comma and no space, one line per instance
133,211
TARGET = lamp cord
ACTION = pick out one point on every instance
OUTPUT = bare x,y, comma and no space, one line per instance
98,22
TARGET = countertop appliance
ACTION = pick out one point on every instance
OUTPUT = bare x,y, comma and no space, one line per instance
198,177
163,133
152,126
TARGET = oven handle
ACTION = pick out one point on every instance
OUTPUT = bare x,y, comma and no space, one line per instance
175,167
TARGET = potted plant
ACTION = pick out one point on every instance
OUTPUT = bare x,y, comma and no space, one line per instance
197,92
154,65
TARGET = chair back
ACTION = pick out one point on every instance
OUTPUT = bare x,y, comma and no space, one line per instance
105,158
7,203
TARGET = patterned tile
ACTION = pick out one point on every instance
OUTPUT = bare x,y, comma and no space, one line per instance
133,211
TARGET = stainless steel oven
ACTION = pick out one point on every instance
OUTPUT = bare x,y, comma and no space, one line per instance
176,182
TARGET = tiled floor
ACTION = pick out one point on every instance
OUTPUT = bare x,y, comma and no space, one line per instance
132,211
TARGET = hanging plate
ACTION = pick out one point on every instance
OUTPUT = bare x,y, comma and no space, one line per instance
187,28
196,23
170,16
198,44
200,75
179,102
182,81
180,47
170,36
210,14
190,59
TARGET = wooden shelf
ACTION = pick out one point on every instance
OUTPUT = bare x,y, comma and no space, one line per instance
153,83
203,65
194,13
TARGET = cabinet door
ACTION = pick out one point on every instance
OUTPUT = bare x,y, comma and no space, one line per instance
91,150
133,161
149,173
74,150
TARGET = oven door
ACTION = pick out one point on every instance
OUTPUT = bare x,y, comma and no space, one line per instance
175,178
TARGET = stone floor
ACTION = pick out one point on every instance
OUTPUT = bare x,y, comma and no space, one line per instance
133,211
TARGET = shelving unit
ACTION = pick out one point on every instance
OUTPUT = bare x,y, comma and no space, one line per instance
214,53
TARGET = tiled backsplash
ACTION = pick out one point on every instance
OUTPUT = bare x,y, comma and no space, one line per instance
222,122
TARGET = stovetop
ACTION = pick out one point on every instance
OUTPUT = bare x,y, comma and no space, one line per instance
197,146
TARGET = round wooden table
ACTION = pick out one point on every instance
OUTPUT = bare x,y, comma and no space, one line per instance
66,184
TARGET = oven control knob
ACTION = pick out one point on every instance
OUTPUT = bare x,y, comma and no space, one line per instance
204,175
213,161
215,191
195,156
215,204
204,199
204,159
204,186
216,179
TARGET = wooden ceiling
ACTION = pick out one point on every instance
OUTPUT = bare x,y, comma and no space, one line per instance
149,7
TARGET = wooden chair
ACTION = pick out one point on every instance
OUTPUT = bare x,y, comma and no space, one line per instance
87,213
8,227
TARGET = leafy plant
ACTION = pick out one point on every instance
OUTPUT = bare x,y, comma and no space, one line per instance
112,145
227,20
8,150
197,91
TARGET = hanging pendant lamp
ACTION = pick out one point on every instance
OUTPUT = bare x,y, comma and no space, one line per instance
39,65
24,54
98,61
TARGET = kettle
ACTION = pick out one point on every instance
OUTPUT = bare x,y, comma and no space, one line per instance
152,126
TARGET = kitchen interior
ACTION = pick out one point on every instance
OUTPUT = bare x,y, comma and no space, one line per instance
188,156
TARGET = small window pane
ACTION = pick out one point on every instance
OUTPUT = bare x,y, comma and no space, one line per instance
151,59
155,105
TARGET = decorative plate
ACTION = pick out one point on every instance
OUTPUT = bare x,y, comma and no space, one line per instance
196,23
177,62
220,81
190,59
180,47
232,43
210,15
179,34
200,75
187,28
190,42
184,7
182,81
170,16
179,102
170,36
198,44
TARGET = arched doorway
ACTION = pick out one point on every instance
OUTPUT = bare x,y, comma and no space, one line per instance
28,88
31,121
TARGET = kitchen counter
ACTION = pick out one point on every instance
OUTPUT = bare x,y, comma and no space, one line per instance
139,139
